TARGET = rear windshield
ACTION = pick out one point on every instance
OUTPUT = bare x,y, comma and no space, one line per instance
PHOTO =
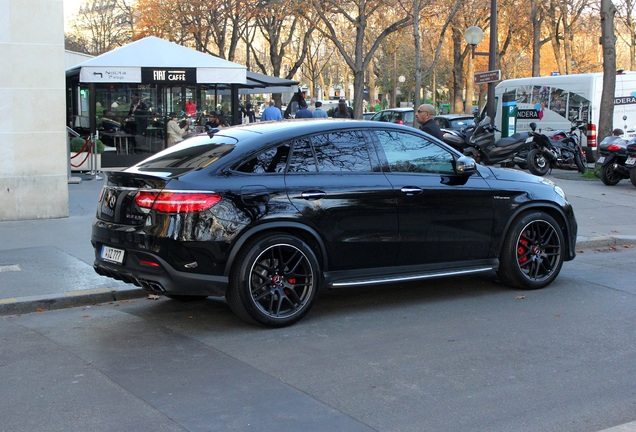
192,154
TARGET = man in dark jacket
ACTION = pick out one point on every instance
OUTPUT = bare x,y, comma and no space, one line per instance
424,115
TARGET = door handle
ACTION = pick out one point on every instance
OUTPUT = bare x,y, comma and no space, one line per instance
313,195
411,190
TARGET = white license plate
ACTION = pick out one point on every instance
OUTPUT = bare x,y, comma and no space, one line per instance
112,255
600,159
630,161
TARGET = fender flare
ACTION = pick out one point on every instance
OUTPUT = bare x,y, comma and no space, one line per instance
284,226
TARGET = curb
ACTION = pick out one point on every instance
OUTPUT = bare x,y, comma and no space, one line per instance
48,302
604,241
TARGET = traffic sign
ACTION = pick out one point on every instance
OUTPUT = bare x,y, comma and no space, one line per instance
487,77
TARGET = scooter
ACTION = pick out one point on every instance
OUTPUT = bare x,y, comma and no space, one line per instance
611,162
506,151
559,150
458,139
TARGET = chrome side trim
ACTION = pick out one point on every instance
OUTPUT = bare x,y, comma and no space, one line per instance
411,278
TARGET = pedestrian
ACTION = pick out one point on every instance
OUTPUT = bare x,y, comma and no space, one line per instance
425,116
251,115
319,112
174,130
343,111
271,112
304,112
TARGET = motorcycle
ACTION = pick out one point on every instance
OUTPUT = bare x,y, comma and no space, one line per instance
458,139
558,150
482,147
611,162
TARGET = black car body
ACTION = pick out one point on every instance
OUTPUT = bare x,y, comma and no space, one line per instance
268,213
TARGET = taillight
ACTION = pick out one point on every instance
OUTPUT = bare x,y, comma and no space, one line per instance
613,147
399,122
591,136
176,202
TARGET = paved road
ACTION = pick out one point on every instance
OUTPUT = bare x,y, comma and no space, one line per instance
445,355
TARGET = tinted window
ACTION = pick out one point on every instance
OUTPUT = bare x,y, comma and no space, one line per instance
302,159
339,151
201,152
412,153
270,161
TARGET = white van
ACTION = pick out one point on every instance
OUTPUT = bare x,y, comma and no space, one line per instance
554,102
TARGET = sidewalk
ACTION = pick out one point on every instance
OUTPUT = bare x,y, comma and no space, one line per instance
48,264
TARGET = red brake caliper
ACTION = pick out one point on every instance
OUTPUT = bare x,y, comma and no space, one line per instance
522,248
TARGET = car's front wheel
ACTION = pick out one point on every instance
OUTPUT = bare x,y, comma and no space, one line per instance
533,251
275,280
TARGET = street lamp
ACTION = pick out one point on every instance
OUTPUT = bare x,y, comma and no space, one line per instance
474,35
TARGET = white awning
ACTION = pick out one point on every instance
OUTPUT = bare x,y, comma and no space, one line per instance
125,64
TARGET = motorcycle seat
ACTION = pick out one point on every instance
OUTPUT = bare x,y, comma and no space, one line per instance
504,142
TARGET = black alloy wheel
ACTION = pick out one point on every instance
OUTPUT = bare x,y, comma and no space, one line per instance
533,251
275,281
537,163
609,176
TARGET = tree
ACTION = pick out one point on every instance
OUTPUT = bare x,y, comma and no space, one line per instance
608,40
357,28
102,25
626,10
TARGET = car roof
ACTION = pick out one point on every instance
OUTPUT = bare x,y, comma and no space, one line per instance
399,109
455,116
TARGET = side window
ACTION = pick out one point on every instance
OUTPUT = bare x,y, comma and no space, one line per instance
407,153
342,151
272,160
302,159
338,151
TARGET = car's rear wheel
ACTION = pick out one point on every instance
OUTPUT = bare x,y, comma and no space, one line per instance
632,176
533,251
275,280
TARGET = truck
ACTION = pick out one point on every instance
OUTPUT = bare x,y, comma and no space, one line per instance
555,102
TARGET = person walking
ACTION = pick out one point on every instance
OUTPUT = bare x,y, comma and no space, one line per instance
304,112
319,112
424,115
343,111
271,112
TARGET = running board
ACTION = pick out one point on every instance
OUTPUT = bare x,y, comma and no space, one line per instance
411,277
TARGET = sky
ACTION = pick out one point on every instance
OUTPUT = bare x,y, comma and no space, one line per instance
70,8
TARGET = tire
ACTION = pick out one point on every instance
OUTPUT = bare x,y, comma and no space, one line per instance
609,176
275,281
533,251
632,176
580,163
186,298
537,163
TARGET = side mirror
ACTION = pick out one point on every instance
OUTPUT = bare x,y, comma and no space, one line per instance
533,126
465,166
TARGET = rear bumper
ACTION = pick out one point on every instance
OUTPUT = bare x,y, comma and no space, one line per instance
164,280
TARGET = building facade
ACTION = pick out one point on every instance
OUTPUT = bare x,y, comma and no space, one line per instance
33,146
